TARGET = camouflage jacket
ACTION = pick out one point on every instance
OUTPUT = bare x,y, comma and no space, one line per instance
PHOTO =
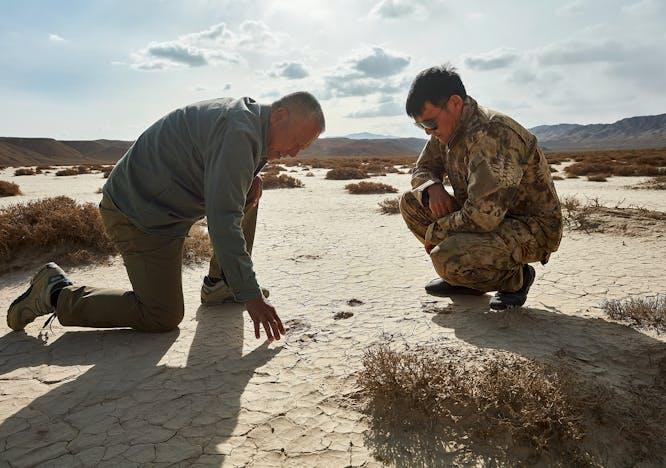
497,171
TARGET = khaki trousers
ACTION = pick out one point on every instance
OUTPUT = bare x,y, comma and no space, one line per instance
487,261
153,264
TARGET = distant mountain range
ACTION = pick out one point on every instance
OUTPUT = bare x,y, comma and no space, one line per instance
634,132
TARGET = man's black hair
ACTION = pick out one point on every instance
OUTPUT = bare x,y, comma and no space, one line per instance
435,84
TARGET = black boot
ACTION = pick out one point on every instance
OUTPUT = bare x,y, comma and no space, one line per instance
439,287
508,300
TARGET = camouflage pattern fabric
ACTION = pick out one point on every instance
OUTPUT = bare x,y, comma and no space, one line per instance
510,212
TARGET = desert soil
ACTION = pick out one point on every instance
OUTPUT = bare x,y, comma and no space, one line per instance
343,278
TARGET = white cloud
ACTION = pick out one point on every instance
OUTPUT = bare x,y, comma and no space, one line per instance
643,7
573,53
56,38
204,88
571,9
399,9
379,63
214,45
289,70
498,58
387,106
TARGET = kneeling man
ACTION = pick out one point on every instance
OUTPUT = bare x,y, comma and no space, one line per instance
504,212
200,160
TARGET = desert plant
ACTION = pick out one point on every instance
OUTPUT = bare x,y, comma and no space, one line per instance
346,173
389,206
639,311
24,171
67,172
44,168
369,188
9,189
309,174
58,225
654,183
598,178
272,181
197,247
556,177
506,399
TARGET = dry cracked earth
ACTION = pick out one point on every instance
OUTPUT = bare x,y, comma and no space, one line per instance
343,277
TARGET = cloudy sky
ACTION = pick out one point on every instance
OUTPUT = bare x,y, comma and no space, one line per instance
86,69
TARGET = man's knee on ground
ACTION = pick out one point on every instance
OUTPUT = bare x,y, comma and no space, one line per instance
162,320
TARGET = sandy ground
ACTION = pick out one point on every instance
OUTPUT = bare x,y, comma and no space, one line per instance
210,394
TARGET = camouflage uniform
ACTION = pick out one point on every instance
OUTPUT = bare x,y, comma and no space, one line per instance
510,211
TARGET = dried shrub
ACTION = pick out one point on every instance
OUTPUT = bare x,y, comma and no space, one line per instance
67,172
346,173
618,163
369,188
58,226
649,312
9,189
44,168
654,183
23,171
273,169
592,216
505,400
389,206
598,178
556,177
197,247
309,174
572,176
552,169
272,181
106,174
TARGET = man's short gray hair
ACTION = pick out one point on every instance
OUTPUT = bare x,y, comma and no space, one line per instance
303,104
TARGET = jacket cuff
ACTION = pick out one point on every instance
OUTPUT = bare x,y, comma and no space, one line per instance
248,294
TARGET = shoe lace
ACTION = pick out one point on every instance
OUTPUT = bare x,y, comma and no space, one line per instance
44,335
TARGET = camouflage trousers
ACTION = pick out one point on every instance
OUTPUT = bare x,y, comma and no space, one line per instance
487,261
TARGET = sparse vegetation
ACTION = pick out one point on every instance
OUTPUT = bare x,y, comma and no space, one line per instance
66,230
24,171
67,172
197,247
369,188
273,169
556,177
617,163
598,178
654,183
346,173
503,400
639,311
389,206
9,189
309,174
44,168
272,181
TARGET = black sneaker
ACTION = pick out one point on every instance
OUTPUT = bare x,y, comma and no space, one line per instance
439,287
509,300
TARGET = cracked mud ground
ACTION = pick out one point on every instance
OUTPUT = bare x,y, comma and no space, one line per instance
210,394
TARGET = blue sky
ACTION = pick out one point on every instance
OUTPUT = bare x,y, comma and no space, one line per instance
108,69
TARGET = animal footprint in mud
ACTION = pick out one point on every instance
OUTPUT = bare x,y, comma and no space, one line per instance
343,315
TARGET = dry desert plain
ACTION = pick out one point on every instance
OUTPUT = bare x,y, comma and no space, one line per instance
345,279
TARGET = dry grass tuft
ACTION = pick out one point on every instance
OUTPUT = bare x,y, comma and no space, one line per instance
504,401
272,181
309,174
59,226
23,171
197,247
654,183
618,163
556,177
67,172
9,189
649,312
346,173
598,178
273,169
44,168
370,188
389,206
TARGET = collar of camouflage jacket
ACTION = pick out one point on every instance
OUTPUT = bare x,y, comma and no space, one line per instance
469,109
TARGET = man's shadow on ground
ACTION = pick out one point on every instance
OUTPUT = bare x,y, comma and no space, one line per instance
128,408
600,351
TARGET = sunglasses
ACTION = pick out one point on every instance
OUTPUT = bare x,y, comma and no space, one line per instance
431,124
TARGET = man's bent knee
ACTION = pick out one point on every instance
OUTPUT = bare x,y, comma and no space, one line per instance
161,320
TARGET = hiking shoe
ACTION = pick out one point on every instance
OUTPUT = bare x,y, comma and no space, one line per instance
36,300
509,300
214,293
439,287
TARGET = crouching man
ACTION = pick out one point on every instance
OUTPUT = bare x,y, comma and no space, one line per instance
504,212
203,159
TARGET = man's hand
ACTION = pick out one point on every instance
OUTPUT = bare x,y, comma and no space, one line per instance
255,192
440,202
262,313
